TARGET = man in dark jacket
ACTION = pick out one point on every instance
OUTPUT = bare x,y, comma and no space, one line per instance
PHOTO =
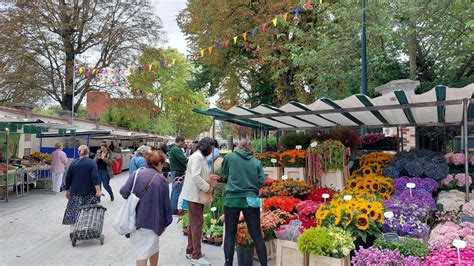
178,163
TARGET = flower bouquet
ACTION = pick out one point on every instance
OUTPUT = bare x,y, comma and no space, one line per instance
442,235
417,163
322,242
450,206
376,186
468,208
454,181
405,224
293,158
284,203
375,161
289,187
332,154
317,194
266,158
374,256
450,257
427,184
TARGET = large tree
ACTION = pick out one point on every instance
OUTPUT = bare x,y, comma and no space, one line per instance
47,39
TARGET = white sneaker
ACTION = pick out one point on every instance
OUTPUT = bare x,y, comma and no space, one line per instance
190,256
200,261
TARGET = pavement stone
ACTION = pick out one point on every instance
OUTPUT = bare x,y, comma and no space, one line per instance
31,233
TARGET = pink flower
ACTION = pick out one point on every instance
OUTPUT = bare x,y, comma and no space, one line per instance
468,208
462,179
458,158
447,180
448,157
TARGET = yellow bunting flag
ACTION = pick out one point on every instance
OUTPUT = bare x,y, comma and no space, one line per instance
235,39
275,20
245,36
285,16
81,69
202,52
150,67
174,61
210,49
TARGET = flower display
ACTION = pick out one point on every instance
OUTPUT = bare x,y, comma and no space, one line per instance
468,208
293,188
284,203
374,256
421,198
293,158
442,235
455,158
376,161
405,224
317,194
359,216
266,158
450,257
375,186
417,163
402,207
427,184
332,154
451,200
307,208
323,241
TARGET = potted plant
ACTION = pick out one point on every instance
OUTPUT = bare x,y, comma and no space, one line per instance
291,188
293,162
185,222
215,234
327,245
270,163
244,245
331,155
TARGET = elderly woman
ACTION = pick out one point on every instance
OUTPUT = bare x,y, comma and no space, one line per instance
82,186
197,180
105,160
245,176
138,161
58,164
153,213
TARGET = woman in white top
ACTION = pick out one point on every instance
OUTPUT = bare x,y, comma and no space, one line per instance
58,165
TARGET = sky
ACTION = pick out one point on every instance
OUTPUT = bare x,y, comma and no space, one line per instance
168,10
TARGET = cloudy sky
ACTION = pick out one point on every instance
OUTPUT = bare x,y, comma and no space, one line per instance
168,10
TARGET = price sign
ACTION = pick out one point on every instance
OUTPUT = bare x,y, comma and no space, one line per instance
313,144
326,196
273,160
347,197
458,243
388,214
296,223
467,218
411,185
391,237
285,177
299,147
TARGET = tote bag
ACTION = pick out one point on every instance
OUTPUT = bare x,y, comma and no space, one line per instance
124,222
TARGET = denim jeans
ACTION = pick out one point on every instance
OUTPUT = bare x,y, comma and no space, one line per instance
105,180
175,191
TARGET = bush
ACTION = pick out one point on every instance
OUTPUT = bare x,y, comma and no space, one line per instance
267,146
406,246
323,241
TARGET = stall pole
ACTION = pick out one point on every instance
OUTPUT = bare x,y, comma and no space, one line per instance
261,141
7,131
398,137
401,135
466,146
213,137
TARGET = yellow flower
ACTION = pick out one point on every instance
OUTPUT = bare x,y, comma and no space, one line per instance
337,215
362,222
348,219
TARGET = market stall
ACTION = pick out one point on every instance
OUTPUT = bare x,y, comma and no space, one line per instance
390,207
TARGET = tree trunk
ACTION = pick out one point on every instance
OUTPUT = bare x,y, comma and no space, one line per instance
412,43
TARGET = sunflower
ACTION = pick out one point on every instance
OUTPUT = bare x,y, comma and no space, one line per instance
367,171
362,222
381,218
350,216
373,215
352,183
337,215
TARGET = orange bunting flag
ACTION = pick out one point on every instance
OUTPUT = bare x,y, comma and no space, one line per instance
264,26
308,4
285,16
235,39
275,20
210,49
245,36
202,52
226,43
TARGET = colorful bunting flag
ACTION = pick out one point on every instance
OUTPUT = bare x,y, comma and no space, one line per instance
218,45
285,16
275,20
308,4
227,43
264,26
297,11
210,49
244,35
202,52
253,32
235,39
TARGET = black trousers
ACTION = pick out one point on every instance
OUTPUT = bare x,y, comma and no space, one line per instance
252,219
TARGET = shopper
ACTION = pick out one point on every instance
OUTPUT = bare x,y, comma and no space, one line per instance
164,146
105,160
82,186
178,164
153,213
138,160
213,156
58,165
192,148
244,178
196,180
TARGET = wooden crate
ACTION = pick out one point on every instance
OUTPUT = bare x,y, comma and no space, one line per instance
287,253
333,179
271,247
296,173
274,173
328,261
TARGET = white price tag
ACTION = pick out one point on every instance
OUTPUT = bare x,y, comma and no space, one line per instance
411,185
388,214
458,243
347,197
273,160
313,144
285,177
326,196
213,209
299,147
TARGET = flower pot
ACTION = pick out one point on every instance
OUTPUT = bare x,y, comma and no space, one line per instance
274,173
218,241
296,173
244,256
287,253
270,245
333,179
328,261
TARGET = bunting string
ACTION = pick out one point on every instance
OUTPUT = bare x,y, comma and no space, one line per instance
309,4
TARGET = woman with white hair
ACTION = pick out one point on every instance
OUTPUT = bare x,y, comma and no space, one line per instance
82,186
58,164
138,161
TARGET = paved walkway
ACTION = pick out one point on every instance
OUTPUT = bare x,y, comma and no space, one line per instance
31,234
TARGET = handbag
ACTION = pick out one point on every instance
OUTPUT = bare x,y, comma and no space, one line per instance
254,202
124,222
